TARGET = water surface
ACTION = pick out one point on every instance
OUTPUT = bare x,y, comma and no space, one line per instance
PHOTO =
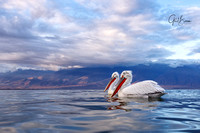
61,111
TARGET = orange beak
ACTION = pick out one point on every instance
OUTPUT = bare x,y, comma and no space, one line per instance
110,82
119,85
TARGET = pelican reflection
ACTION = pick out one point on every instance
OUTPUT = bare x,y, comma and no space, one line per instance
129,104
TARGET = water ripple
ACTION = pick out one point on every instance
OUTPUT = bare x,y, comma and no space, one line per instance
92,111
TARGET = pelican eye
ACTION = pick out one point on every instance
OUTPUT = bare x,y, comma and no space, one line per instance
125,73
114,76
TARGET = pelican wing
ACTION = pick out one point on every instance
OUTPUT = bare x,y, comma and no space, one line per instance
143,88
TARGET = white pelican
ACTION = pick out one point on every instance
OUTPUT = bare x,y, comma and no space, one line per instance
146,89
112,83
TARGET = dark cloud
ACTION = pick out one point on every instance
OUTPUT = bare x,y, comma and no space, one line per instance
158,53
195,50
63,34
15,26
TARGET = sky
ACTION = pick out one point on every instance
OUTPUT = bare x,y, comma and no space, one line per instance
62,34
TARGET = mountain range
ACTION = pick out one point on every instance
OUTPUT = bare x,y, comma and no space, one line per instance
184,77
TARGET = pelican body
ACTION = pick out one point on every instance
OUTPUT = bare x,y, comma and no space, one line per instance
112,83
147,88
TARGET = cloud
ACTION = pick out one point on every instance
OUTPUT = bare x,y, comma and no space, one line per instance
158,53
195,50
65,34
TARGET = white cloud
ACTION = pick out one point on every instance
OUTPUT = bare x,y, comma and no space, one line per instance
97,32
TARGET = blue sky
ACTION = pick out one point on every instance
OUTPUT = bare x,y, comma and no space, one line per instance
61,34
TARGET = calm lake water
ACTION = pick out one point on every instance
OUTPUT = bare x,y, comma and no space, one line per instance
61,111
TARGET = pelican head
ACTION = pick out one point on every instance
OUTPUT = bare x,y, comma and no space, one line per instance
114,79
125,79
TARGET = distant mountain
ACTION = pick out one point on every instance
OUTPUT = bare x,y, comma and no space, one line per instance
97,78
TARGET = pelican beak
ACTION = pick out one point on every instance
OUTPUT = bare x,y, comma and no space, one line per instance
110,82
119,85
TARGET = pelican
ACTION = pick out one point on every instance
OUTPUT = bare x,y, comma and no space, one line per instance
112,83
146,89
